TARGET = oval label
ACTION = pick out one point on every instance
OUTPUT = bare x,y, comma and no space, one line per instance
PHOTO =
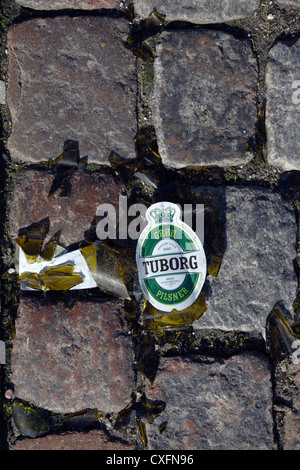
170,259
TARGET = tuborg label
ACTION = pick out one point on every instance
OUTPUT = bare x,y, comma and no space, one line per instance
170,259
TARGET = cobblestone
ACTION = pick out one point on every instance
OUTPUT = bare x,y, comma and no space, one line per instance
59,4
72,215
291,414
197,11
204,98
287,400
187,102
47,93
260,248
293,3
283,104
69,359
93,440
213,405
2,92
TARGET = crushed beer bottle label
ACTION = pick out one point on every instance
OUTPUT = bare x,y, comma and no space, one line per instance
170,259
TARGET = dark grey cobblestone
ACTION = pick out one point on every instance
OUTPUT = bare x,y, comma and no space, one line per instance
293,3
213,404
202,11
283,99
204,98
260,241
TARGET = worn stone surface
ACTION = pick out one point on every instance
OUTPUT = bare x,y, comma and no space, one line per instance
196,11
257,267
213,404
72,215
293,3
283,105
71,78
58,4
69,359
91,440
204,98
292,430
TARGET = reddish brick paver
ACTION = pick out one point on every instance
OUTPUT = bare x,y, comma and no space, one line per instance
288,415
71,78
66,360
72,215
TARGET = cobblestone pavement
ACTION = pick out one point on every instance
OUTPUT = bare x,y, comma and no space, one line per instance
192,102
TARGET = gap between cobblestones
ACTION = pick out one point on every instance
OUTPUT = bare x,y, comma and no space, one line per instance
262,33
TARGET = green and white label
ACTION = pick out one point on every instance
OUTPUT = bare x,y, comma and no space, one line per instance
170,259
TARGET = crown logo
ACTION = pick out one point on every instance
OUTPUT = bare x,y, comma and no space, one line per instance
163,214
